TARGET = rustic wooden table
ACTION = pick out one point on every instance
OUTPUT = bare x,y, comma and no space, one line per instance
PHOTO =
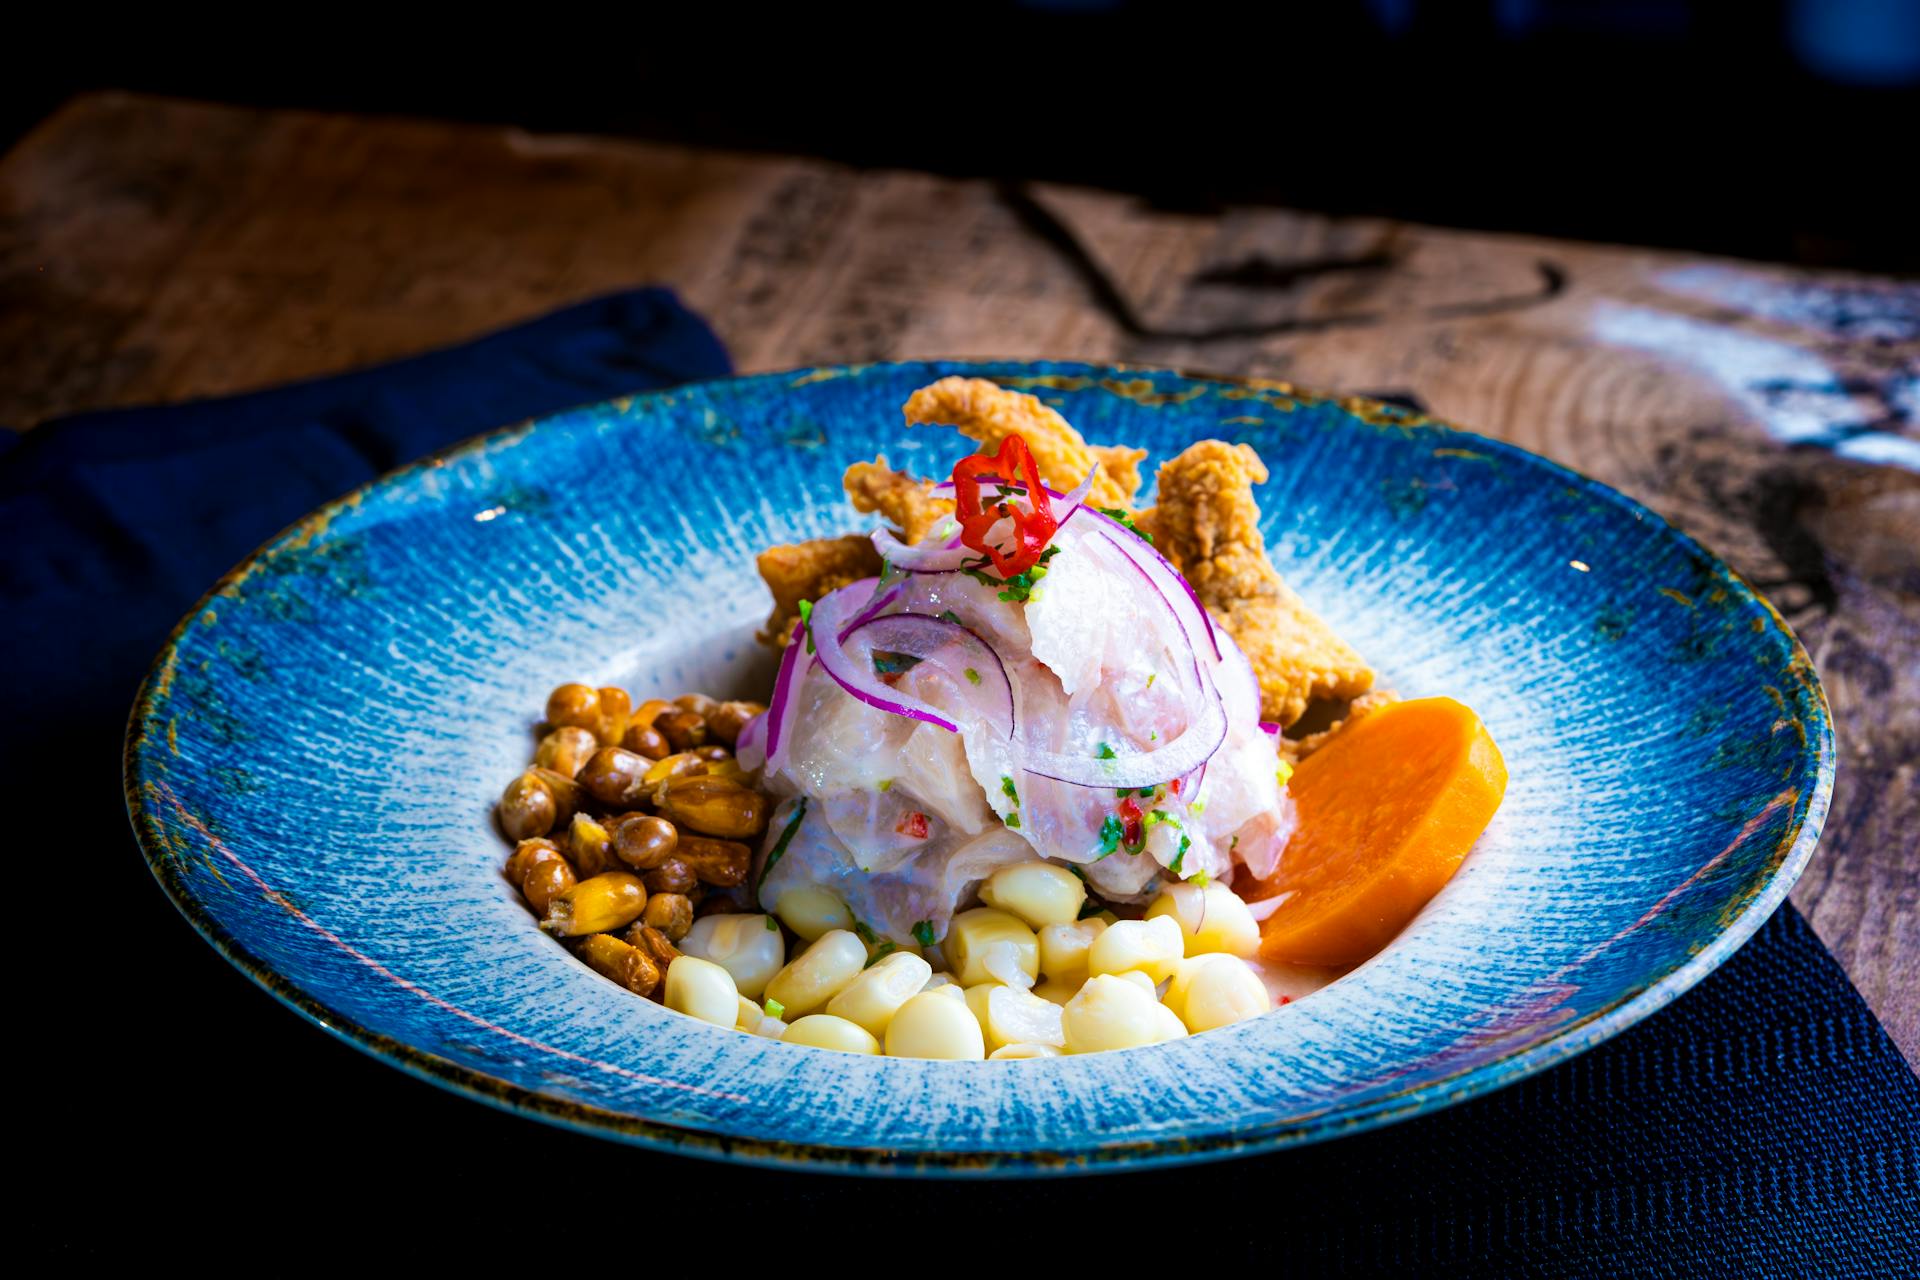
153,250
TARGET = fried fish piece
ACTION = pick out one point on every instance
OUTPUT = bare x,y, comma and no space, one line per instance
1208,524
807,571
903,500
989,413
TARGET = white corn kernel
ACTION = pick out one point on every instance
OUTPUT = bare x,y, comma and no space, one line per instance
1141,981
702,989
749,1016
819,973
1214,990
1211,919
973,932
1167,1025
932,1026
1153,947
1020,1017
1040,893
952,989
812,912
1022,1052
771,1028
1063,949
1110,1013
824,1031
746,945
871,1000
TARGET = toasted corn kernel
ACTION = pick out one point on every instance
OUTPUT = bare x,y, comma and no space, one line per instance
642,936
611,900
527,808
615,707
566,749
615,777
720,863
627,965
546,879
680,764
526,853
714,806
671,876
574,704
670,913
727,719
643,841
590,845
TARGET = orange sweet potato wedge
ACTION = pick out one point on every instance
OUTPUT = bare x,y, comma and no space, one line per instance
1387,809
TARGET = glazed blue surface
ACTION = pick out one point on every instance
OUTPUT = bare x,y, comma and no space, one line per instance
313,762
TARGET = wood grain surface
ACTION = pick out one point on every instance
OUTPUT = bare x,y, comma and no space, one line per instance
153,250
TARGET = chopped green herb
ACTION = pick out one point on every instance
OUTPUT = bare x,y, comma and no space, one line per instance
806,621
948,615
1110,832
774,1008
886,948
1013,821
773,926
1090,908
1151,677
1198,806
1155,817
973,677
923,933
1178,858
1078,873
1105,752
1015,590
1153,735
885,784
1199,879
1233,844
1119,516
786,838
867,935
1006,789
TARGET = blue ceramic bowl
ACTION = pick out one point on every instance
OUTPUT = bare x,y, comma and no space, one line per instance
312,765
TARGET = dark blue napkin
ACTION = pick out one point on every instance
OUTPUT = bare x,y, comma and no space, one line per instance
1764,1124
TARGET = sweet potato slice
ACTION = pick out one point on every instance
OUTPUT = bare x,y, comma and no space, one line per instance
1387,810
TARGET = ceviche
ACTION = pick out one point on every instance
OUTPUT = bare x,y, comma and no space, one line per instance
1044,770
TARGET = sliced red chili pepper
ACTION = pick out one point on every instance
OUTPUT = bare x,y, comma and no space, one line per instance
913,826
1033,526
1131,815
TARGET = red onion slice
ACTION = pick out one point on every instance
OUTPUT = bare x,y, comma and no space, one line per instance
777,707
1271,729
846,652
942,557
1206,726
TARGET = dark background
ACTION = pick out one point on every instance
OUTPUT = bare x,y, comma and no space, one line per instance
1779,129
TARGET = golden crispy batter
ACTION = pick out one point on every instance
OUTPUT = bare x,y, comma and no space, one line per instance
904,501
807,571
1294,750
1208,524
989,413
1121,465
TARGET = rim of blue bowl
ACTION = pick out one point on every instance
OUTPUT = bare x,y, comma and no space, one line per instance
1793,851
